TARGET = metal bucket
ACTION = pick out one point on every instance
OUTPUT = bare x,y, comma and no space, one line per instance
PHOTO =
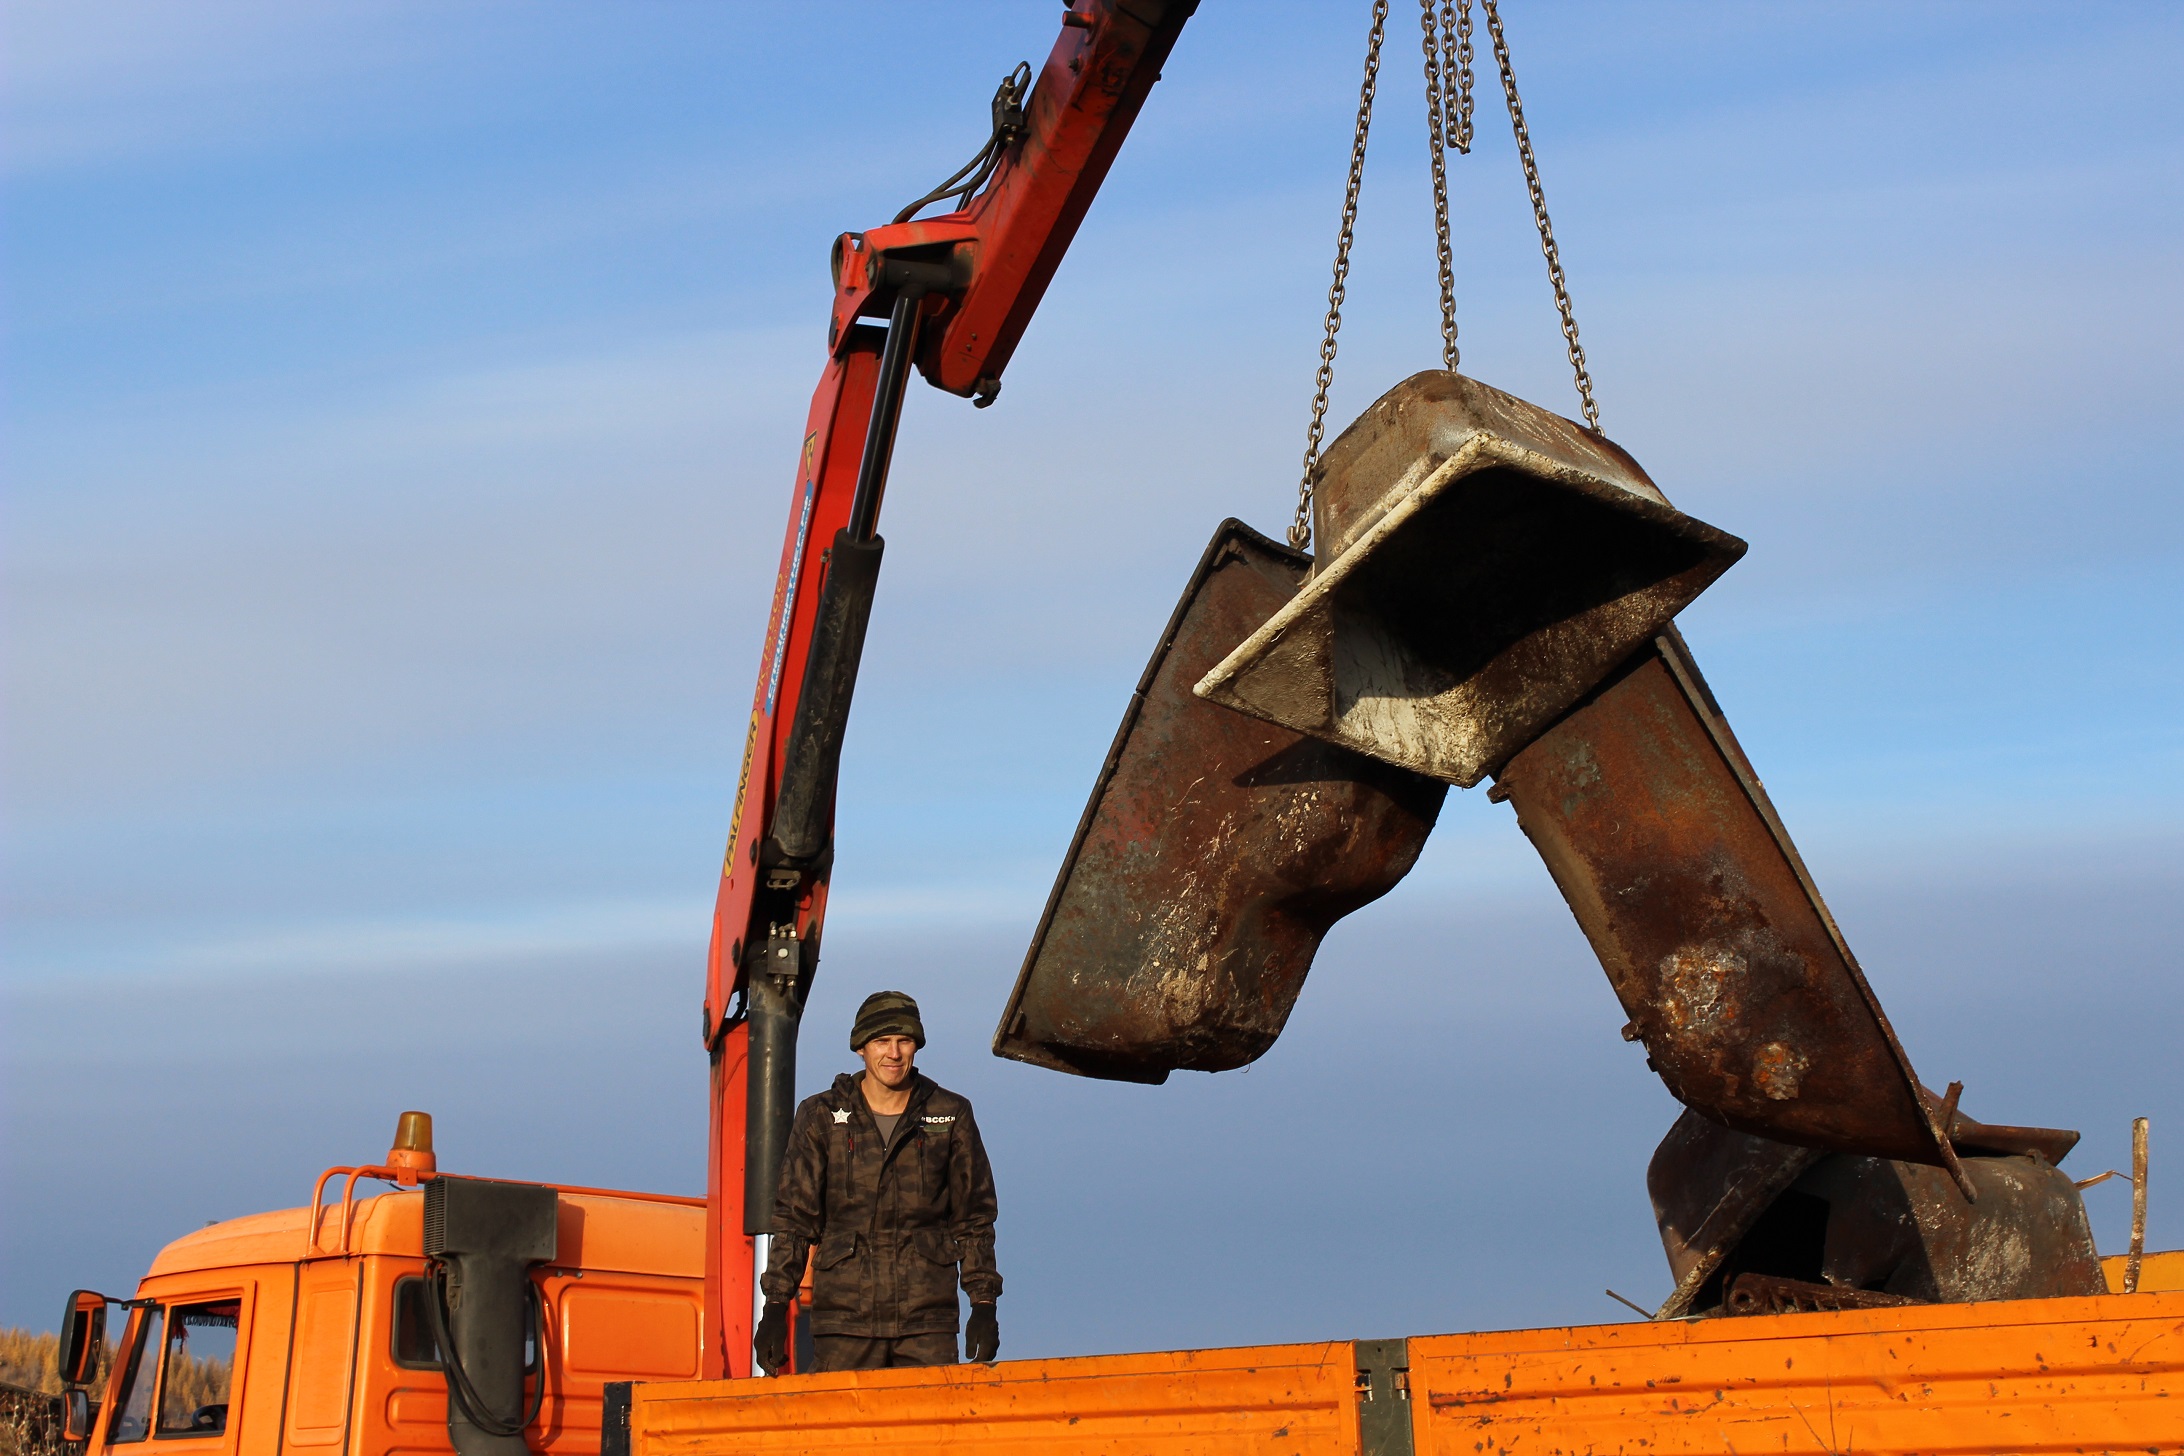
1483,563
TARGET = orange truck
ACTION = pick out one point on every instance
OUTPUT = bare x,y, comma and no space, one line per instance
310,1331
321,1329
492,1318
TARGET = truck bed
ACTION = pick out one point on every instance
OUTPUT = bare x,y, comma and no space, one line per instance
2094,1374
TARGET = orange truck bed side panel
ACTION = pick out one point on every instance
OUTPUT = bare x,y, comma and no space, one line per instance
2100,1374
1272,1398
2052,1375
2160,1273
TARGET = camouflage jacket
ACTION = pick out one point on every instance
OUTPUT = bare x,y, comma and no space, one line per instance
891,1227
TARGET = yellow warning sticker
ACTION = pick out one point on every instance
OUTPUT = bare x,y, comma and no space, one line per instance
743,784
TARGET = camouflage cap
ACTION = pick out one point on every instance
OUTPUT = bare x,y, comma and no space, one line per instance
886,1013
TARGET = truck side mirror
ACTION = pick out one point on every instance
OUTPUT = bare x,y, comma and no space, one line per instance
83,1337
75,1415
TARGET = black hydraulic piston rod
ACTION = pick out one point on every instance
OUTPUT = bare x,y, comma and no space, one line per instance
774,1001
777,970
895,358
812,757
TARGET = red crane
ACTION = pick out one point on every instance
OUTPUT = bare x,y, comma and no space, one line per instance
957,290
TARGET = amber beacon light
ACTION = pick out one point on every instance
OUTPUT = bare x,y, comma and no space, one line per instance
411,1156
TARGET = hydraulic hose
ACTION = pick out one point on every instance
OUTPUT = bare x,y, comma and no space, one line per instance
475,1408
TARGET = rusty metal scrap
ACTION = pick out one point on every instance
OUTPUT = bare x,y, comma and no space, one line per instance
1772,1294
1905,1229
1483,563
1716,940
2134,1262
2048,1144
1733,1208
1215,853
1709,1187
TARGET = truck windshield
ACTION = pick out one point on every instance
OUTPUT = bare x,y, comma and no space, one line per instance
133,1395
193,1390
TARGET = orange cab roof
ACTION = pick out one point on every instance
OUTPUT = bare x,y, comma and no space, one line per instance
635,1233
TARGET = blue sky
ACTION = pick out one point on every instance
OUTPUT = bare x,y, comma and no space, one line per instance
400,404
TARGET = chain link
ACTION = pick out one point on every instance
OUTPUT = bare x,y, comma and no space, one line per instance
1300,528
1459,123
1440,135
1539,215
1446,41
1448,125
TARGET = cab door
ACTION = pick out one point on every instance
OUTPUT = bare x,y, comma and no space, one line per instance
180,1384
322,1357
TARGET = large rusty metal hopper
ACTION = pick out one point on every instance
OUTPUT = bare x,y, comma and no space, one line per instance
1482,564
1216,851
1734,975
1744,1217
1709,1187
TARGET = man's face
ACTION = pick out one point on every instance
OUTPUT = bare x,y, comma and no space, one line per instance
890,1059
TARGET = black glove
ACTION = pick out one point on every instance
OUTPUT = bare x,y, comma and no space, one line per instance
982,1336
771,1343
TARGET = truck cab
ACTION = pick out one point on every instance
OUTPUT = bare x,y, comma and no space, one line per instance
312,1330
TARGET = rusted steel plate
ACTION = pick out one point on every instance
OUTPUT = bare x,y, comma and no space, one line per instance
1905,1229
1216,851
1483,563
1709,1186
1728,963
2049,1144
1733,1207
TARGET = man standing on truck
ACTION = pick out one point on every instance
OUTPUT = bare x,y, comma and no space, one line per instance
886,1177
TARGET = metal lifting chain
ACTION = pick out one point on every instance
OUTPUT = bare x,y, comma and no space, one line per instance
1459,121
1446,43
1539,215
1300,528
1448,125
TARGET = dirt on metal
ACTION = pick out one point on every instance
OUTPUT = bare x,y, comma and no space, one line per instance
1216,851
1737,1211
1483,563
1731,969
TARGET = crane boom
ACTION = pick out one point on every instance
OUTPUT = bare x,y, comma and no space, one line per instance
957,290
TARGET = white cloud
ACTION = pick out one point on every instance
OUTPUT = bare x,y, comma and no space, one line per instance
407,942
99,83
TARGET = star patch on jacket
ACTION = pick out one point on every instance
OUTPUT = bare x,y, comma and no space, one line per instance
841,1115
